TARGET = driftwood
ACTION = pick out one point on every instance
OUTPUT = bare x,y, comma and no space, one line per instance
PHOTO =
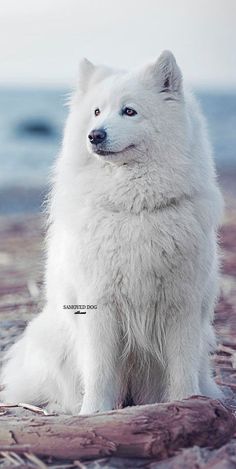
151,431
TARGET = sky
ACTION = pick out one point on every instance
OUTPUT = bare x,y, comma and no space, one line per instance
42,41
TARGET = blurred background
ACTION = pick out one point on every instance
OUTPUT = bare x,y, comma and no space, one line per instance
41,44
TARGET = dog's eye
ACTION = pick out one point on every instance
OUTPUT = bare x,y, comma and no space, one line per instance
128,111
97,112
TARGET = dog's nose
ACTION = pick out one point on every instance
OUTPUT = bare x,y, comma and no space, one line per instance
97,136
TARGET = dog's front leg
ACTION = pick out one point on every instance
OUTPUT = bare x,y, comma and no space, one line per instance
183,336
101,363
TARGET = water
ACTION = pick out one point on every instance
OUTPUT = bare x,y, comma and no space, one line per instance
31,124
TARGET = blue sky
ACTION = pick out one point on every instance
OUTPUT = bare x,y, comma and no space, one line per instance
41,42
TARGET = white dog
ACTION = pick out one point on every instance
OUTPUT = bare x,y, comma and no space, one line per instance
131,240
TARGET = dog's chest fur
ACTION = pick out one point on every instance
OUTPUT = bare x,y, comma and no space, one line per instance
130,258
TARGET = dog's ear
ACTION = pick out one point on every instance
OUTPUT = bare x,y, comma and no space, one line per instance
90,74
166,73
86,70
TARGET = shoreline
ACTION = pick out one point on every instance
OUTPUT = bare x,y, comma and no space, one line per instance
25,201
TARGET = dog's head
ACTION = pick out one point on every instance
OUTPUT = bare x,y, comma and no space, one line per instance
128,115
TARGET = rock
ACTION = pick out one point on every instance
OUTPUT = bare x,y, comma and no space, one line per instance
36,128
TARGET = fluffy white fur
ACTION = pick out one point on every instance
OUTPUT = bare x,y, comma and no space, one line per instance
134,232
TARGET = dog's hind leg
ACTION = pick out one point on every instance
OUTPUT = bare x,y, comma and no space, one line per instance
207,384
34,369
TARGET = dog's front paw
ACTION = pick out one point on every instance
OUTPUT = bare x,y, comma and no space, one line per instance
178,393
93,406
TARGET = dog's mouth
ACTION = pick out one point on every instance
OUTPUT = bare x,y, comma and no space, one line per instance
100,151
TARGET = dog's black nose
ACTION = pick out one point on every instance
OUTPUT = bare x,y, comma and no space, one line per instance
97,136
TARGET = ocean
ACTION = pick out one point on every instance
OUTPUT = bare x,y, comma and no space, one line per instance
31,124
